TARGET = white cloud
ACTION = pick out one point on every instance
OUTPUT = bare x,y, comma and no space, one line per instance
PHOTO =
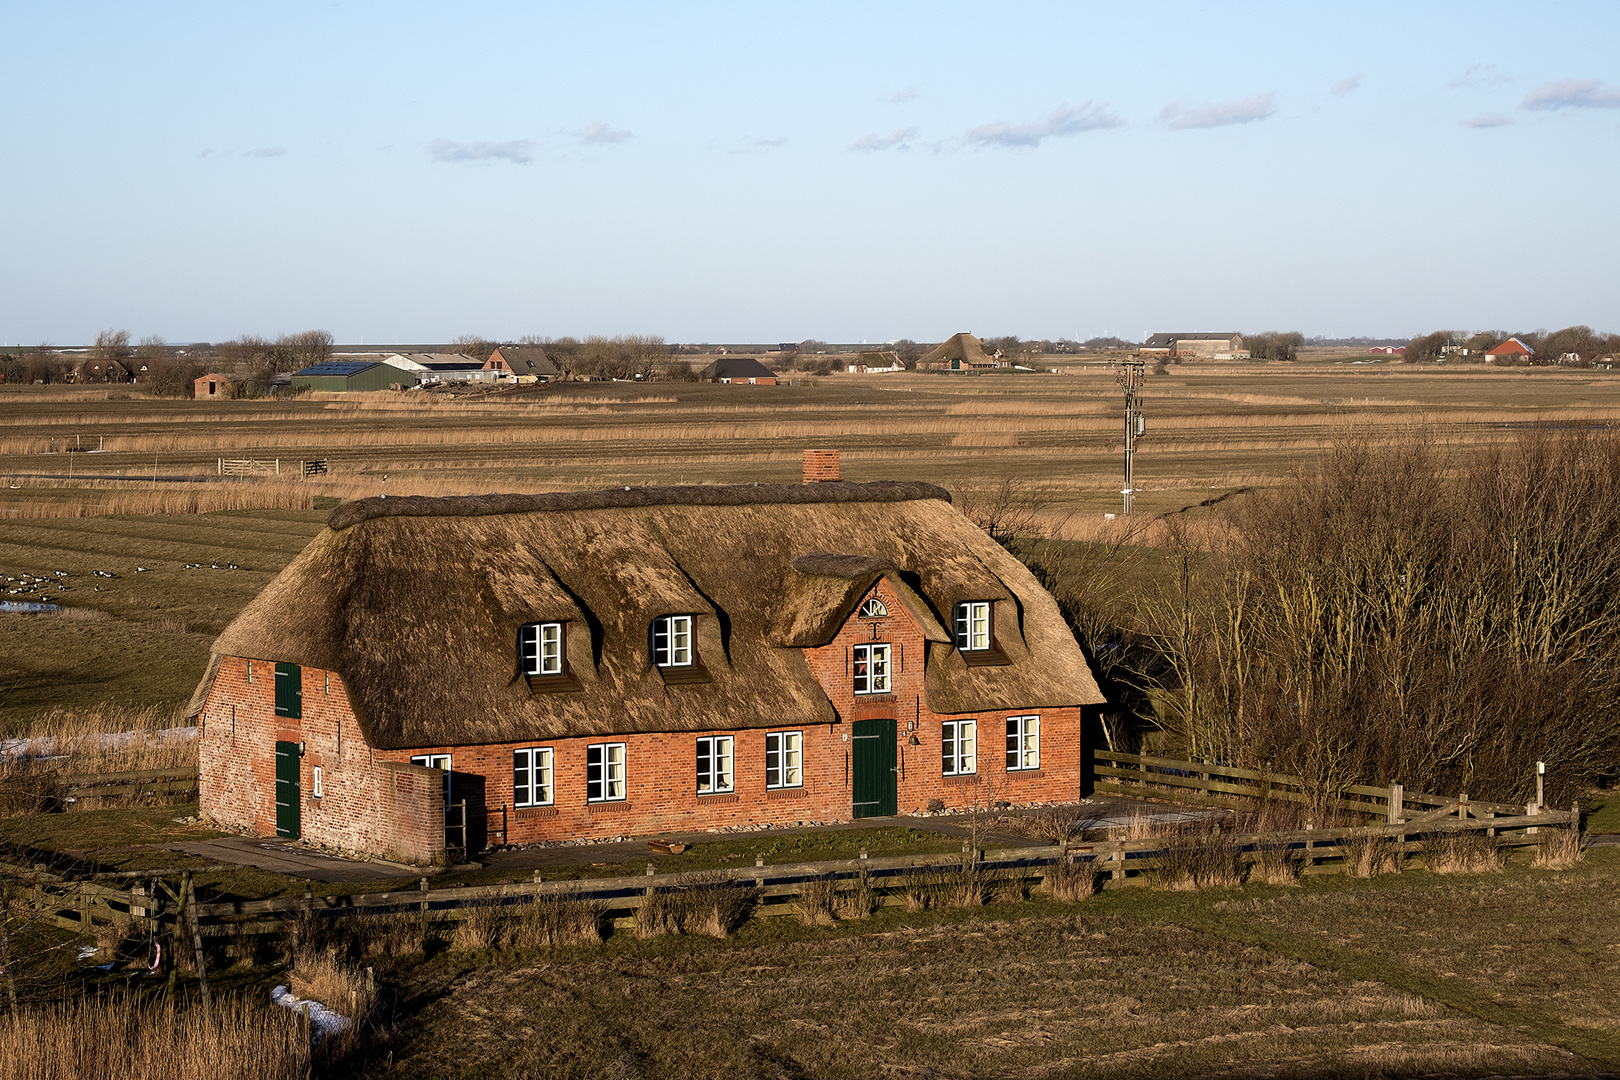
1061,121
900,138
751,144
1487,120
265,151
1573,94
517,151
1178,116
598,133
1479,75
1346,86
900,97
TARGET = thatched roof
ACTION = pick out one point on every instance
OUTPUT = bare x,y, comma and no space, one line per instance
736,368
963,347
416,602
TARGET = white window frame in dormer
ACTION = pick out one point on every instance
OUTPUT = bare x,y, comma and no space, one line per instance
540,647
973,626
672,643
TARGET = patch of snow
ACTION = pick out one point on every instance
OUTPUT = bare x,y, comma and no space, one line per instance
323,1020
44,746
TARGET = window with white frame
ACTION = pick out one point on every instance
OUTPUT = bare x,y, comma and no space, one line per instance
540,648
604,772
531,777
315,787
784,759
873,608
973,626
714,765
871,669
1023,742
672,641
959,747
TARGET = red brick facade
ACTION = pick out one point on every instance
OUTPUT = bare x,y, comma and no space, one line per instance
375,801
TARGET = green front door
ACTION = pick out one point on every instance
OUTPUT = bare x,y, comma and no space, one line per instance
874,768
288,795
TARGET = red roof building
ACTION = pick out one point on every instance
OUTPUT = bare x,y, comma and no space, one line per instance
1512,347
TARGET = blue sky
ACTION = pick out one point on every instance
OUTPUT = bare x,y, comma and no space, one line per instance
410,172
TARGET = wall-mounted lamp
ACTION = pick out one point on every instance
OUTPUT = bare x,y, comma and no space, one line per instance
300,749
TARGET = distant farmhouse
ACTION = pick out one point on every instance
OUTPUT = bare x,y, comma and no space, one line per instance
442,367
738,370
962,352
1511,349
522,363
638,661
102,371
874,362
1196,346
344,376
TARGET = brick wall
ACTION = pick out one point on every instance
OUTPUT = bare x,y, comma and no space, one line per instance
820,465
375,801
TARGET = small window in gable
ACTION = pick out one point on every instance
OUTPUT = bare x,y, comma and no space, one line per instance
540,648
873,609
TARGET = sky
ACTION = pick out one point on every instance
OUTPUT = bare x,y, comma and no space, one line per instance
410,172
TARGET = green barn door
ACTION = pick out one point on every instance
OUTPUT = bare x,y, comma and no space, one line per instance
288,795
874,768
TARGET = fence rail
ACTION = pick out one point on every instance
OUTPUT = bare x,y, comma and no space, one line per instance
1205,783
140,782
248,467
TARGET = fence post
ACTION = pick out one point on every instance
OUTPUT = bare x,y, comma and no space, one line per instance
1118,859
190,909
1462,806
1397,803
424,894
1310,860
759,879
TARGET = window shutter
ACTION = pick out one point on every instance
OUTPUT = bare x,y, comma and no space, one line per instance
289,691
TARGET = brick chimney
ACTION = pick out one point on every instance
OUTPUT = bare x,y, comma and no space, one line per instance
820,465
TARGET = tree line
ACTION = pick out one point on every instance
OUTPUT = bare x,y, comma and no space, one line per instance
1391,614
1576,346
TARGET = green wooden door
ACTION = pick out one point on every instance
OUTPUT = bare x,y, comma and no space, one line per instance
288,794
872,754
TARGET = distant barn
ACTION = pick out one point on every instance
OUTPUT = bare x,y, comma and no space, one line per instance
352,375
738,369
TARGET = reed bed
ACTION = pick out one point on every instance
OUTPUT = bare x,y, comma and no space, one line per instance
102,498
1560,849
106,739
1462,853
119,1038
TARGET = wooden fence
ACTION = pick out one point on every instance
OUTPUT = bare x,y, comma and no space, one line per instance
1202,783
92,788
248,467
159,899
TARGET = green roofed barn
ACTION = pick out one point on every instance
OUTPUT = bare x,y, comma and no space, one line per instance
346,375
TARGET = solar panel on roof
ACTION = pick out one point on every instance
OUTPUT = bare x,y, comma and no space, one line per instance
339,367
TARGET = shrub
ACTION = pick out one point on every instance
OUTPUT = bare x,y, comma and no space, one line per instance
1462,853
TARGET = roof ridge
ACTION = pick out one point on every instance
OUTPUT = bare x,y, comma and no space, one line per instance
882,491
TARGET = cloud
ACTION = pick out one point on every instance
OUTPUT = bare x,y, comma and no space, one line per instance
900,97
205,152
517,151
265,151
1573,94
1479,75
598,133
1178,116
900,138
753,144
1487,120
1061,121
1346,86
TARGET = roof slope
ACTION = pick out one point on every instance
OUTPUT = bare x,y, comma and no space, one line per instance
737,367
963,347
417,603
526,359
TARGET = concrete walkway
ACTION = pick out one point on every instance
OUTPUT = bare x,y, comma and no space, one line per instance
284,858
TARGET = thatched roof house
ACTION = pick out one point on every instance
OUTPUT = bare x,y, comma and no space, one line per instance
961,352
738,370
415,612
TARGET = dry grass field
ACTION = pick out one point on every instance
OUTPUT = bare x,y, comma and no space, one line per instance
113,480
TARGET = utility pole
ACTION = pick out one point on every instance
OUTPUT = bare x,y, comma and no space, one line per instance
1130,380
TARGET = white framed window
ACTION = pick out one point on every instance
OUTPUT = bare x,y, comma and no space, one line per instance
1023,742
873,609
531,777
672,641
604,772
437,761
714,764
315,788
784,759
959,747
973,626
871,669
540,647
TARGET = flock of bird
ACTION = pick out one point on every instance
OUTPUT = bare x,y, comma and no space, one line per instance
26,584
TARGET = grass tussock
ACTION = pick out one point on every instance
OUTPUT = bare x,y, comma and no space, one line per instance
477,928
709,903
826,899
1462,853
1275,866
1560,849
554,919
1370,856
1197,857
340,986
1070,880
118,1038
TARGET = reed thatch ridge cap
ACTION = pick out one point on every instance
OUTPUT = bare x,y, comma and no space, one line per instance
848,567
836,491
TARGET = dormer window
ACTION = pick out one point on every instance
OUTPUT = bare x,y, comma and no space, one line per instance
973,626
540,648
672,641
873,609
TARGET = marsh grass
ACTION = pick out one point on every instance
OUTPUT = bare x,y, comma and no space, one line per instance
703,902
1462,853
1275,865
1370,856
553,919
119,1038
1070,880
1560,849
